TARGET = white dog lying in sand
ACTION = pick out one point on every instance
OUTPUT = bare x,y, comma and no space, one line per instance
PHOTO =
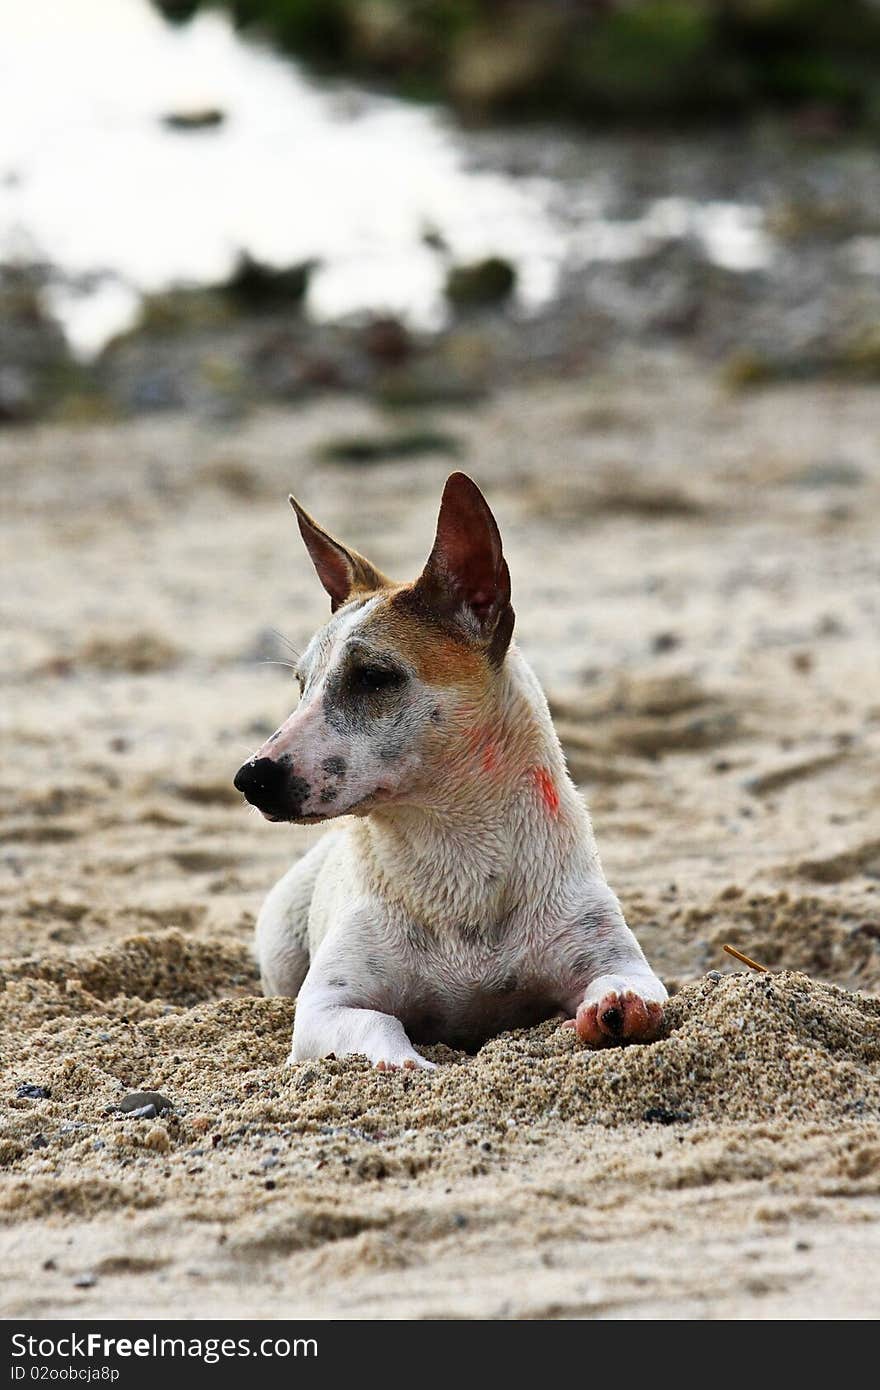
465,894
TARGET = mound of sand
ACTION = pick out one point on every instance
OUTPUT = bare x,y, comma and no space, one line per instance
742,1047
760,1081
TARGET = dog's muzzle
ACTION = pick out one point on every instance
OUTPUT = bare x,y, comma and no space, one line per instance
272,788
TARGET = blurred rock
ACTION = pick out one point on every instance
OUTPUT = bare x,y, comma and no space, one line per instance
365,449
254,287
501,67
829,473
177,11
204,118
386,37
17,397
482,284
35,362
428,382
387,340
660,292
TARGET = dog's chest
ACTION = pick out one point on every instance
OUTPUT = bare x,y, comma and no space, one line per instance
466,986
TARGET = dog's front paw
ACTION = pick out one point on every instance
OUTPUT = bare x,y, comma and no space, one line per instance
615,1011
414,1063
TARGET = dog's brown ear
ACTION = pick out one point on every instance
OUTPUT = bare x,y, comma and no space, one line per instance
341,571
466,575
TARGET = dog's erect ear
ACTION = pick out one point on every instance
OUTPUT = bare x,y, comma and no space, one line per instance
341,571
466,575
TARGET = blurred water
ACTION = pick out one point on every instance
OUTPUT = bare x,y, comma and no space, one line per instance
92,181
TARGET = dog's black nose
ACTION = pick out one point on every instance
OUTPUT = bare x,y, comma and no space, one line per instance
264,782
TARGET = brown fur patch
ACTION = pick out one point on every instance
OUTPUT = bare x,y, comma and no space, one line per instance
441,657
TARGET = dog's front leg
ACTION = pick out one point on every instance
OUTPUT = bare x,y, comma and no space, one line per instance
333,1016
618,997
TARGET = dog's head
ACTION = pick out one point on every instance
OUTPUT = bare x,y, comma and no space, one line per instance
396,684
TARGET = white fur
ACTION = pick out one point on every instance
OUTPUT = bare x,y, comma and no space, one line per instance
464,906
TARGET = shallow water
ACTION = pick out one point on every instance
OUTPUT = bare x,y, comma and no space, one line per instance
93,181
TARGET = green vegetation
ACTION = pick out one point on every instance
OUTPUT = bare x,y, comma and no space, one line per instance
627,60
365,449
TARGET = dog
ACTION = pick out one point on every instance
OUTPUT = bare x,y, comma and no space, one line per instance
463,894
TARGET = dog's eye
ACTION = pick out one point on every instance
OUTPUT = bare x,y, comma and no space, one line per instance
372,678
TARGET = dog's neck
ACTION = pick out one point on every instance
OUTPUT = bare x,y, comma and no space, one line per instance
497,828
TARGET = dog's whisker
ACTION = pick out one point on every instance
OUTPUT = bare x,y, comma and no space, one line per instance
267,661
287,642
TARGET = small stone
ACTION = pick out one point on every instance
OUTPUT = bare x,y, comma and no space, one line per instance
157,1139
86,1280
199,118
480,284
387,340
829,473
39,1141
143,1105
28,1091
659,1115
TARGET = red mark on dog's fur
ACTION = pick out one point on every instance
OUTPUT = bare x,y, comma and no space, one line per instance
546,790
484,749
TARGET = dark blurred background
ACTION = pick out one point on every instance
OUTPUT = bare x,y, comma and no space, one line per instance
627,60
206,206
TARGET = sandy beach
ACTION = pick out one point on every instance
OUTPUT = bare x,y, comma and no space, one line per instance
696,576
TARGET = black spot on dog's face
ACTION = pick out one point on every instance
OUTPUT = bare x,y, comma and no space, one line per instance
335,767
328,794
298,791
395,742
392,750
364,689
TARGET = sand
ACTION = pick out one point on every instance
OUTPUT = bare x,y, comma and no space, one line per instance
696,582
